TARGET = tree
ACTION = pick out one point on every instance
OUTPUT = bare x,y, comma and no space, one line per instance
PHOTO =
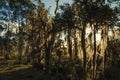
20,9
92,12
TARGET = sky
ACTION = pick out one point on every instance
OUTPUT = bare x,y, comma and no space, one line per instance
52,3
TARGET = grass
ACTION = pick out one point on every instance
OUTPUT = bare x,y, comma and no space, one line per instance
16,74
11,70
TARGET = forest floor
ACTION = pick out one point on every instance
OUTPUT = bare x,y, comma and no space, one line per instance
11,70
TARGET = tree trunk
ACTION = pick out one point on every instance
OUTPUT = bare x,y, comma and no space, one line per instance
48,50
7,49
84,50
106,50
69,44
47,57
7,44
75,45
94,55
20,41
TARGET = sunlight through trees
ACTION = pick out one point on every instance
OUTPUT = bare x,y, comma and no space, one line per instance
80,42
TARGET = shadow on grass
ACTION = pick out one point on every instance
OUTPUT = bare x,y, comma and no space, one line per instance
22,74
30,73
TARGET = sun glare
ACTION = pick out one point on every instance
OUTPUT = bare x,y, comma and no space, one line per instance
98,35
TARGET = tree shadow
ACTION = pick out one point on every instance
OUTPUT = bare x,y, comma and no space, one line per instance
22,74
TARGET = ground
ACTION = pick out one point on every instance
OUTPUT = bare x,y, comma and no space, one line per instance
11,70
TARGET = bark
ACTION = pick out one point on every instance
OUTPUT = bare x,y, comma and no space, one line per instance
94,55
48,50
75,45
56,6
20,40
20,47
69,44
84,50
47,57
7,49
7,44
106,51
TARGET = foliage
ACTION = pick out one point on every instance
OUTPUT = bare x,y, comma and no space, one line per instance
57,46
